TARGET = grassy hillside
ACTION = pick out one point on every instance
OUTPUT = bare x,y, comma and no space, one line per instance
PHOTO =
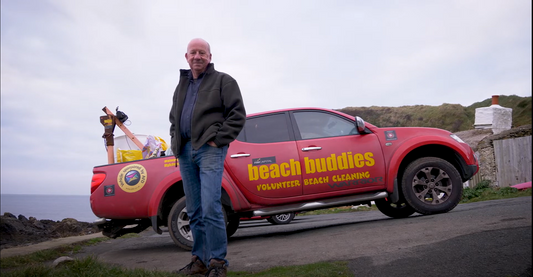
451,117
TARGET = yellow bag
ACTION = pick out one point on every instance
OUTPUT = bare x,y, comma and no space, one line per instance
128,155
164,144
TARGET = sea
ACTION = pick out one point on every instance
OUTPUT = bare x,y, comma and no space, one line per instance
52,207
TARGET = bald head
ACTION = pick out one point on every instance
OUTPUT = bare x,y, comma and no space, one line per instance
197,41
198,56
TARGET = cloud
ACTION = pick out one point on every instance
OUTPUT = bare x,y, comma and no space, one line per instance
63,61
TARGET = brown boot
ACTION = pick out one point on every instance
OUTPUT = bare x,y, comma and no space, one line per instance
196,266
217,268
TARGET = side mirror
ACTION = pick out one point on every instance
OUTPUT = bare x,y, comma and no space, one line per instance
360,125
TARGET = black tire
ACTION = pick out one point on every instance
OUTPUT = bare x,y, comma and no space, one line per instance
432,185
394,210
180,230
279,219
178,225
232,224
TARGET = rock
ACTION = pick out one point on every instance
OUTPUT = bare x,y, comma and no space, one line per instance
22,218
15,231
68,226
9,227
62,261
9,215
36,223
473,137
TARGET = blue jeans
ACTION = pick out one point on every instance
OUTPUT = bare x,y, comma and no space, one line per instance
201,171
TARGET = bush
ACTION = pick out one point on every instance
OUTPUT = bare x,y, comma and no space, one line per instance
483,184
483,191
506,191
477,191
469,193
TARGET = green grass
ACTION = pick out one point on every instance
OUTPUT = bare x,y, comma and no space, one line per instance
38,263
451,117
483,192
321,269
39,257
91,267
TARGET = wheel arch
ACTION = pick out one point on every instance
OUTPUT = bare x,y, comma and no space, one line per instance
174,193
232,197
403,156
434,150
169,190
171,195
226,201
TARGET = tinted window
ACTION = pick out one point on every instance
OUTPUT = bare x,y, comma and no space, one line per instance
265,129
322,125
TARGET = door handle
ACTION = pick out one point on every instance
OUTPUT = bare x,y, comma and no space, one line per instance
240,155
312,148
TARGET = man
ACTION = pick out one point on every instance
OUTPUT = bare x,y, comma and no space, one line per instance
207,114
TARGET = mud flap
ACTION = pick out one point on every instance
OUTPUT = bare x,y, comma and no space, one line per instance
154,225
395,195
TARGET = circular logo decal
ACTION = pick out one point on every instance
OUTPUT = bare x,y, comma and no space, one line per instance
132,178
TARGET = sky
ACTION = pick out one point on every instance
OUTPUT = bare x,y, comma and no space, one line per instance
63,61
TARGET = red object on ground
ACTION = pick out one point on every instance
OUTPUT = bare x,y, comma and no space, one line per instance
525,185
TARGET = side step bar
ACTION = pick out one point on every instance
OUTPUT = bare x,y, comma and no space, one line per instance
335,202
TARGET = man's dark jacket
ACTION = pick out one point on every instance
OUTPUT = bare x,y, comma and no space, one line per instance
218,114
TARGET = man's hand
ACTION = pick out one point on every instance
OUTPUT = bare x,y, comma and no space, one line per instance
211,143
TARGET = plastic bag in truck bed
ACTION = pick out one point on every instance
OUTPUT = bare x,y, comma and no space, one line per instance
153,147
128,155
164,145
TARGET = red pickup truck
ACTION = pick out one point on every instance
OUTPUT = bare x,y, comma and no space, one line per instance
289,161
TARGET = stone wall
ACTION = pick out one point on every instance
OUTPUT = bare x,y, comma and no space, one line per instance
482,142
485,150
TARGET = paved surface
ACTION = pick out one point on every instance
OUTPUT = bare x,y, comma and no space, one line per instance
491,238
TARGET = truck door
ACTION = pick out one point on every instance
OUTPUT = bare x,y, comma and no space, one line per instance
263,160
334,156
